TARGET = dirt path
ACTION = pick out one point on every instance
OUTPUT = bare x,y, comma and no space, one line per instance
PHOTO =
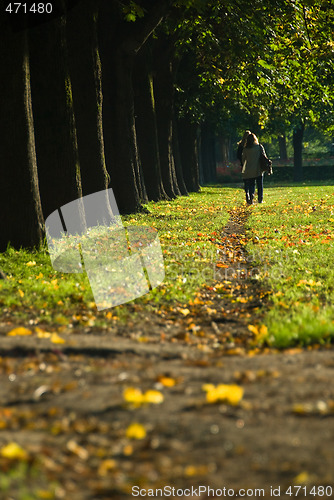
64,404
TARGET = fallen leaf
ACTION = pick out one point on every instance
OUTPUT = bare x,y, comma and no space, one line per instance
55,339
167,381
106,466
14,451
302,478
136,431
230,394
152,396
136,397
21,330
133,395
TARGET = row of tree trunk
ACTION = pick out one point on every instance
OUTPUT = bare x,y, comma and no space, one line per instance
87,103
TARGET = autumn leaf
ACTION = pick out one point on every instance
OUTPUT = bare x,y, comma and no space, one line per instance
260,332
152,396
105,466
302,478
136,397
55,339
166,381
14,451
136,431
230,394
20,331
133,395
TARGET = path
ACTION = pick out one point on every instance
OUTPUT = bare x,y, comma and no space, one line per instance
63,404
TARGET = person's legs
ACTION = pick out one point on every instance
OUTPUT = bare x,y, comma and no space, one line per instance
259,184
246,190
249,189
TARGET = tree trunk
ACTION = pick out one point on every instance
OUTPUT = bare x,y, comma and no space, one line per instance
20,206
164,94
56,140
118,111
189,153
298,134
208,152
146,125
177,158
120,42
283,153
85,71
224,144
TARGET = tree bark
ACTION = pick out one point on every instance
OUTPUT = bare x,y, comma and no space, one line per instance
298,134
20,206
56,139
283,154
146,125
208,154
177,158
86,78
189,153
164,93
120,42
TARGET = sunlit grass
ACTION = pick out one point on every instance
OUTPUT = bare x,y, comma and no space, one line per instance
292,237
185,226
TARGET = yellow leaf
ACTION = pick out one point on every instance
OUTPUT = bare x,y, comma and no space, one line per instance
136,431
13,450
196,470
207,387
21,293
128,450
19,331
31,263
133,395
45,494
56,339
231,394
154,397
302,478
106,466
260,331
185,312
42,334
167,381
253,329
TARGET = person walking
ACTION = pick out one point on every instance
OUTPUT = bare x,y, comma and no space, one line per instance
241,145
251,170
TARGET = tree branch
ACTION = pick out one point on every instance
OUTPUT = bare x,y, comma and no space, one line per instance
139,32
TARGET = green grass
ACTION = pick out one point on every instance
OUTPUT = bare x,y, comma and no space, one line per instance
35,291
292,237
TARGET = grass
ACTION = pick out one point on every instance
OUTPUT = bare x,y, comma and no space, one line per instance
35,292
292,237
